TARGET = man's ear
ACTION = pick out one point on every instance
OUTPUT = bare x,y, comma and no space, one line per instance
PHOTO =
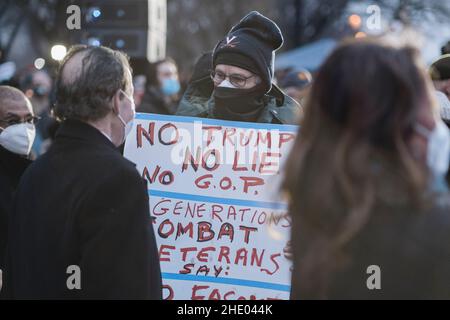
116,101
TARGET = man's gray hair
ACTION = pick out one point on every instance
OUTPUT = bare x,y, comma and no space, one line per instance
85,91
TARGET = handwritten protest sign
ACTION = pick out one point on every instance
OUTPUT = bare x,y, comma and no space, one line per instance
213,187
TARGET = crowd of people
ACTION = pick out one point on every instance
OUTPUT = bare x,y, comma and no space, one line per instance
367,180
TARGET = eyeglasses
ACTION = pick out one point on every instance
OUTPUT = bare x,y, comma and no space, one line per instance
236,80
14,121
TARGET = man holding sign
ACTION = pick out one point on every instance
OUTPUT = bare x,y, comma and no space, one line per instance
240,86
221,228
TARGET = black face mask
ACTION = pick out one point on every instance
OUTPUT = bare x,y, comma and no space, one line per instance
238,104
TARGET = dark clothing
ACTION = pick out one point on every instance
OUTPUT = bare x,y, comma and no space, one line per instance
448,178
45,133
411,248
82,203
255,37
198,100
154,101
12,166
278,108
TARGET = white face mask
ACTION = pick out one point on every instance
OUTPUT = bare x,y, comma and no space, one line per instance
18,138
438,153
127,126
226,84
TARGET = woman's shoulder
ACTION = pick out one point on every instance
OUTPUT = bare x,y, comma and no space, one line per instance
429,227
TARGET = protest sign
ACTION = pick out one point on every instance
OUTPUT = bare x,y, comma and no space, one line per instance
213,185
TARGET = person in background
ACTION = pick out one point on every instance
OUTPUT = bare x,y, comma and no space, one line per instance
7,73
444,107
82,209
296,84
440,74
162,88
139,88
37,86
359,180
17,132
240,86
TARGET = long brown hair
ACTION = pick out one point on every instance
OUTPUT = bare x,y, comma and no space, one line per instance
352,152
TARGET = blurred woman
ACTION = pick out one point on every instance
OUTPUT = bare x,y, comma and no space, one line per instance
368,221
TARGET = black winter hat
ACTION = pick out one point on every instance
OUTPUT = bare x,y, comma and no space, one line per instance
251,44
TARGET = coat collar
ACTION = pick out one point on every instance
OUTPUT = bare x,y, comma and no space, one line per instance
13,164
272,113
198,101
80,130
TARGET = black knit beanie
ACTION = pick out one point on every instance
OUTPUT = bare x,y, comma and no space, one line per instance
251,44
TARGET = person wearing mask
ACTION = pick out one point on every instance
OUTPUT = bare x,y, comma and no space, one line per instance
240,87
17,132
360,177
296,84
162,88
440,74
81,227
